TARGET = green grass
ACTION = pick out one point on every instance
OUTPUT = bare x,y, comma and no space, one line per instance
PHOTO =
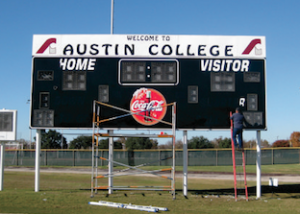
265,169
69,193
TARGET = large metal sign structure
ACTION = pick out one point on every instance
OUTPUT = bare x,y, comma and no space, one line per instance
207,76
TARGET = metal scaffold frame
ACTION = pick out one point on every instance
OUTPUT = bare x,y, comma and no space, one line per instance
97,120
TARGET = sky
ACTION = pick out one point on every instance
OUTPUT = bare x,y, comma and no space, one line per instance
277,20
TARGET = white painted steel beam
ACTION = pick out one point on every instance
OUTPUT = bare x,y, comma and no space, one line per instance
185,164
110,163
2,158
112,17
38,137
258,165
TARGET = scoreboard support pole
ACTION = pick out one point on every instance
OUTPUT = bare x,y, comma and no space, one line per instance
2,165
110,163
185,163
112,17
258,165
37,160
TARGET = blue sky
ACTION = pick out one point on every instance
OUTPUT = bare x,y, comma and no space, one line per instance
278,21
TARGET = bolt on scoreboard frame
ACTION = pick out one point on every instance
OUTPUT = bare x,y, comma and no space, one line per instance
207,76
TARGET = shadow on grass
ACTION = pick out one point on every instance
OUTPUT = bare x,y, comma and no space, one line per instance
285,188
289,189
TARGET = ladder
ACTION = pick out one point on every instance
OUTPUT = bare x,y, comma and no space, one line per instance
234,165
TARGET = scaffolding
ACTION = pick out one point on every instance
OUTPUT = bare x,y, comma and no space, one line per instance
129,170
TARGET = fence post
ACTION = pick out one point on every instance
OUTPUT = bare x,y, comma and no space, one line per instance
272,156
17,157
73,157
216,157
124,157
46,162
159,156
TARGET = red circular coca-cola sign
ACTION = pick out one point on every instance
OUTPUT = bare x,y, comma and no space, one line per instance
148,106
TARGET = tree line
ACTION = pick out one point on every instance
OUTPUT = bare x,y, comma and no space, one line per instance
52,139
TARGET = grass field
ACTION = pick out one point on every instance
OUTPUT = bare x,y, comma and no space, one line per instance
69,193
265,169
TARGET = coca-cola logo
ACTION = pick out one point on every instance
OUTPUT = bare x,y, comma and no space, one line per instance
148,106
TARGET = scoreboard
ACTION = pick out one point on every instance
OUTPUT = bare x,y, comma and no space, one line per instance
8,125
207,77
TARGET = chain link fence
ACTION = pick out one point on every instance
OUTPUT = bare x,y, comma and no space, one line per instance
205,157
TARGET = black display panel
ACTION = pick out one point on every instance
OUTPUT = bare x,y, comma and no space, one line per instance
205,90
6,121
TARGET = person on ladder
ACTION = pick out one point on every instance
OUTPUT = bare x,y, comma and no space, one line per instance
238,121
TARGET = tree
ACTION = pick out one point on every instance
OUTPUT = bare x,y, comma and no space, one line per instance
104,143
24,142
222,143
265,143
154,144
122,140
52,140
295,139
249,143
165,146
169,145
178,144
225,143
281,143
199,143
252,143
133,143
81,142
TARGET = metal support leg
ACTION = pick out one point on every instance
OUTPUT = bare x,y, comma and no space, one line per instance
110,163
112,17
185,167
258,165
2,154
38,137
174,143
93,168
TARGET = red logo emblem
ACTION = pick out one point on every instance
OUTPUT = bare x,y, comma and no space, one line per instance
251,45
46,45
148,106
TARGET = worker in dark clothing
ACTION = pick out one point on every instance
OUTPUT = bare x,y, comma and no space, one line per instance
238,120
